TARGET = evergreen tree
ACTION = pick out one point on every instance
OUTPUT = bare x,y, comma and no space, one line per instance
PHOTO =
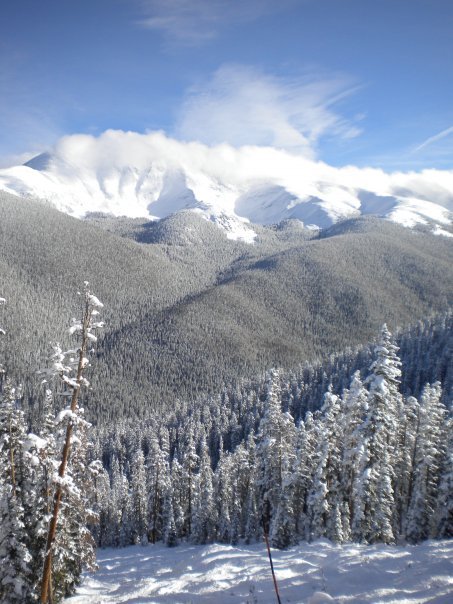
444,513
409,428
74,546
275,448
16,578
204,517
158,484
70,367
190,464
41,466
318,506
178,497
252,529
120,507
429,453
303,474
354,410
283,531
139,498
170,535
223,497
374,502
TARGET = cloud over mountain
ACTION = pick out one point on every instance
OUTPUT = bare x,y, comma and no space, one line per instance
132,174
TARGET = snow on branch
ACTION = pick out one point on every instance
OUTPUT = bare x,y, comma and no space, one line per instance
94,301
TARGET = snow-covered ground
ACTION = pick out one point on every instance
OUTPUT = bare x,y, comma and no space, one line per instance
307,574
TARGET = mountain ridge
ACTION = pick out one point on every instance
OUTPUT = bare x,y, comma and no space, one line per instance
189,309
152,176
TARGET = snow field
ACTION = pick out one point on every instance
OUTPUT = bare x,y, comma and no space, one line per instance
314,573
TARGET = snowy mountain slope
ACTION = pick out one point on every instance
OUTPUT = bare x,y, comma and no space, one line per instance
210,309
314,573
151,175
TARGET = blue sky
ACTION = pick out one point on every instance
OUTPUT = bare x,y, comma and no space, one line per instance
363,82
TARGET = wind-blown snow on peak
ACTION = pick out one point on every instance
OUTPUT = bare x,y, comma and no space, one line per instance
152,175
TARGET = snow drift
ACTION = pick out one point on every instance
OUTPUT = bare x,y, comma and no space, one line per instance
314,573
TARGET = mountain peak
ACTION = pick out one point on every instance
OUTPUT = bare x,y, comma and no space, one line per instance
153,176
39,162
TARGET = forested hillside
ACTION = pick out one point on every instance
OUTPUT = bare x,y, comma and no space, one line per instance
335,451
190,310
349,442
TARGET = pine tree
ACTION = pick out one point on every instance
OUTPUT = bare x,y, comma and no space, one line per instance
179,498
224,496
190,464
16,578
65,365
354,410
242,480
429,453
443,519
120,508
139,498
283,531
204,516
374,503
170,535
303,474
275,447
158,484
252,529
409,427
36,477
318,506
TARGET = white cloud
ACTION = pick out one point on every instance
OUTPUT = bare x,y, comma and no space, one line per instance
434,139
241,105
128,173
193,22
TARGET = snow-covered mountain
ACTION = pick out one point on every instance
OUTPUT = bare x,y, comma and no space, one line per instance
152,175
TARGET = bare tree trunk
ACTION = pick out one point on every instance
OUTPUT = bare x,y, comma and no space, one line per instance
46,596
11,459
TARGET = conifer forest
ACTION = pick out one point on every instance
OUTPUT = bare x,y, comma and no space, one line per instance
226,302
356,449
299,387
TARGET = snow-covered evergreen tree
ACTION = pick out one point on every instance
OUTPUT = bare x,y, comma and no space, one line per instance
16,577
223,496
204,516
69,546
408,430
170,535
251,520
158,484
318,506
374,503
275,449
354,409
430,450
443,520
303,473
120,507
139,498
283,528
190,464
74,547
